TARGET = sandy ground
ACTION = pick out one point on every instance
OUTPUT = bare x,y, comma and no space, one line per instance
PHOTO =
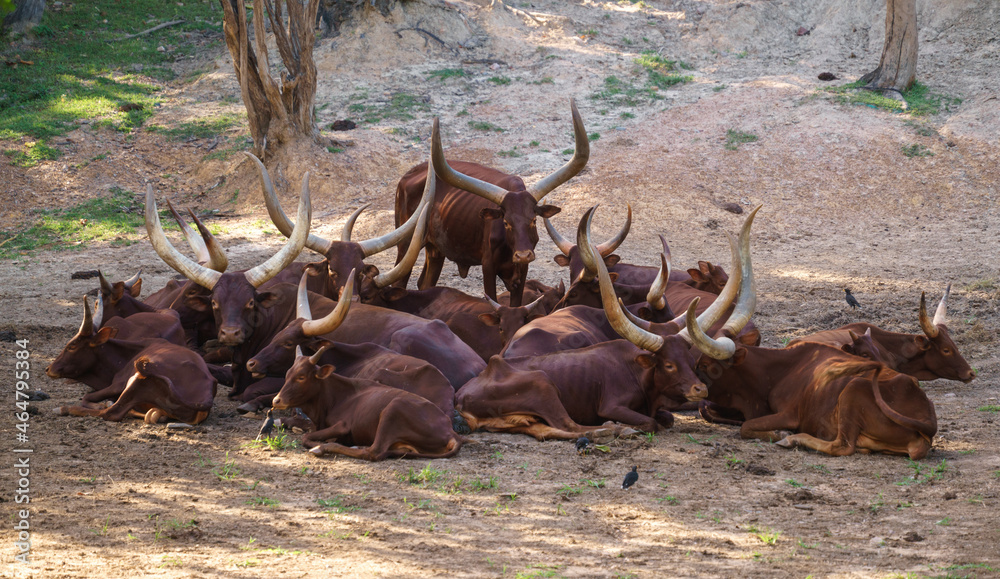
843,207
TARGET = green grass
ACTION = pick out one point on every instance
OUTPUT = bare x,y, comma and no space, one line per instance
203,128
921,475
401,107
262,502
429,475
920,100
917,150
32,153
766,536
622,93
485,126
78,73
279,440
735,138
499,80
989,408
444,74
112,217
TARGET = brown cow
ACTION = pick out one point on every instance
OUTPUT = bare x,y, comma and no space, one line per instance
929,356
149,377
368,420
347,255
483,216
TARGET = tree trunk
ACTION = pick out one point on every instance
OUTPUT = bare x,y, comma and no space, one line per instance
26,14
897,70
276,113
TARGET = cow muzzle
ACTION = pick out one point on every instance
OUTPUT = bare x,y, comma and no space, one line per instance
278,403
524,256
697,392
51,373
231,336
969,376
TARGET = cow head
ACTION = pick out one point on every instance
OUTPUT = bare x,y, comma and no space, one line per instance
302,331
708,278
570,256
936,349
80,355
863,346
304,381
346,255
511,319
234,301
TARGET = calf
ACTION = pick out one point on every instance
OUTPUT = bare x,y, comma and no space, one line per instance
929,356
151,377
366,419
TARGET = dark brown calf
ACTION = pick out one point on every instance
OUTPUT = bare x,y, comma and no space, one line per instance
366,419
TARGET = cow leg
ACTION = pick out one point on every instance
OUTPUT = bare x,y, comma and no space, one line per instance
524,403
489,278
717,414
433,264
838,447
765,427
110,393
313,439
618,413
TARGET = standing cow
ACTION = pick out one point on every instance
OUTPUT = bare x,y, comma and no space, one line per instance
483,216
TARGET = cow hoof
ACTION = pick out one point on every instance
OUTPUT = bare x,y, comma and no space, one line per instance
629,432
60,411
786,442
459,424
318,451
247,408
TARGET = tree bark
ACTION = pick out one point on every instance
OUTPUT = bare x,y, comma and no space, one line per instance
26,14
897,70
277,113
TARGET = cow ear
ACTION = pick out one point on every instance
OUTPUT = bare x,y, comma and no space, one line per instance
612,260
647,361
562,260
369,271
547,211
613,276
705,267
136,288
324,371
739,356
849,348
923,343
490,318
117,292
267,299
490,213
103,335
391,294
646,313
198,303
697,276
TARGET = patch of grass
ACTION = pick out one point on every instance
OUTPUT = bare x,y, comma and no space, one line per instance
669,499
401,106
989,408
332,149
511,153
916,150
544,80
794,483
650,60
660,80
478,485
429,475
262,502
335,506
622,93
587,33
227,470
627,115
594,136
766,535
102,531
203,128
278,440
170,561
444,74
499,80
920,101
485,126
735,138
986,283
921,475
33,152
719,88
876,505
533,571
79,73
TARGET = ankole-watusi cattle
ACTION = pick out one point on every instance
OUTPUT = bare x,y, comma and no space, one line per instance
482,216
564,394
364,361
365,419
926,356
346,255
144,374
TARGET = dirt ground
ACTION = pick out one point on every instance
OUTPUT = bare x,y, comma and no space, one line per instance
843,207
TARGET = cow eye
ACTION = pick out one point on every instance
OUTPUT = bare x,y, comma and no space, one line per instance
250,304
947,351
300,378
215,304
669,367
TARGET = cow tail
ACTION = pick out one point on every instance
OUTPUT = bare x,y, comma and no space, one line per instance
846,368
924,428
450,450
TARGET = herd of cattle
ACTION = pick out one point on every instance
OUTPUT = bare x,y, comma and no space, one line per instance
381,371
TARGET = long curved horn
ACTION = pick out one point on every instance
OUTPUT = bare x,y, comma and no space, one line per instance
655,295
746,301
314,359
406,230
720,349
217,259
332,321
87,327
302,309
638,336
195,272
405,265
98,313
287,254
574,166
487,191
926,324
105,284
941,315
345,234
194,240
612,244
561,242
277,214
130,282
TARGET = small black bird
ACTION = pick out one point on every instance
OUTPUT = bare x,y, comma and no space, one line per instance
850,299
268,426
583,445
630,478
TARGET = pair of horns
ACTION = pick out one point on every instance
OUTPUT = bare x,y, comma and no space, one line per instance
495,193
207,277
107,288
930,327
207,250
604,249
329,322
320,245
530,308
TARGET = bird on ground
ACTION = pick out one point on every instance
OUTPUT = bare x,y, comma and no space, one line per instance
630,478
850,299
268,426
583,445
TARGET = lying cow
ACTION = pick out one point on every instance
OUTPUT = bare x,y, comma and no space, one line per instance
929,356
152,378
366,419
